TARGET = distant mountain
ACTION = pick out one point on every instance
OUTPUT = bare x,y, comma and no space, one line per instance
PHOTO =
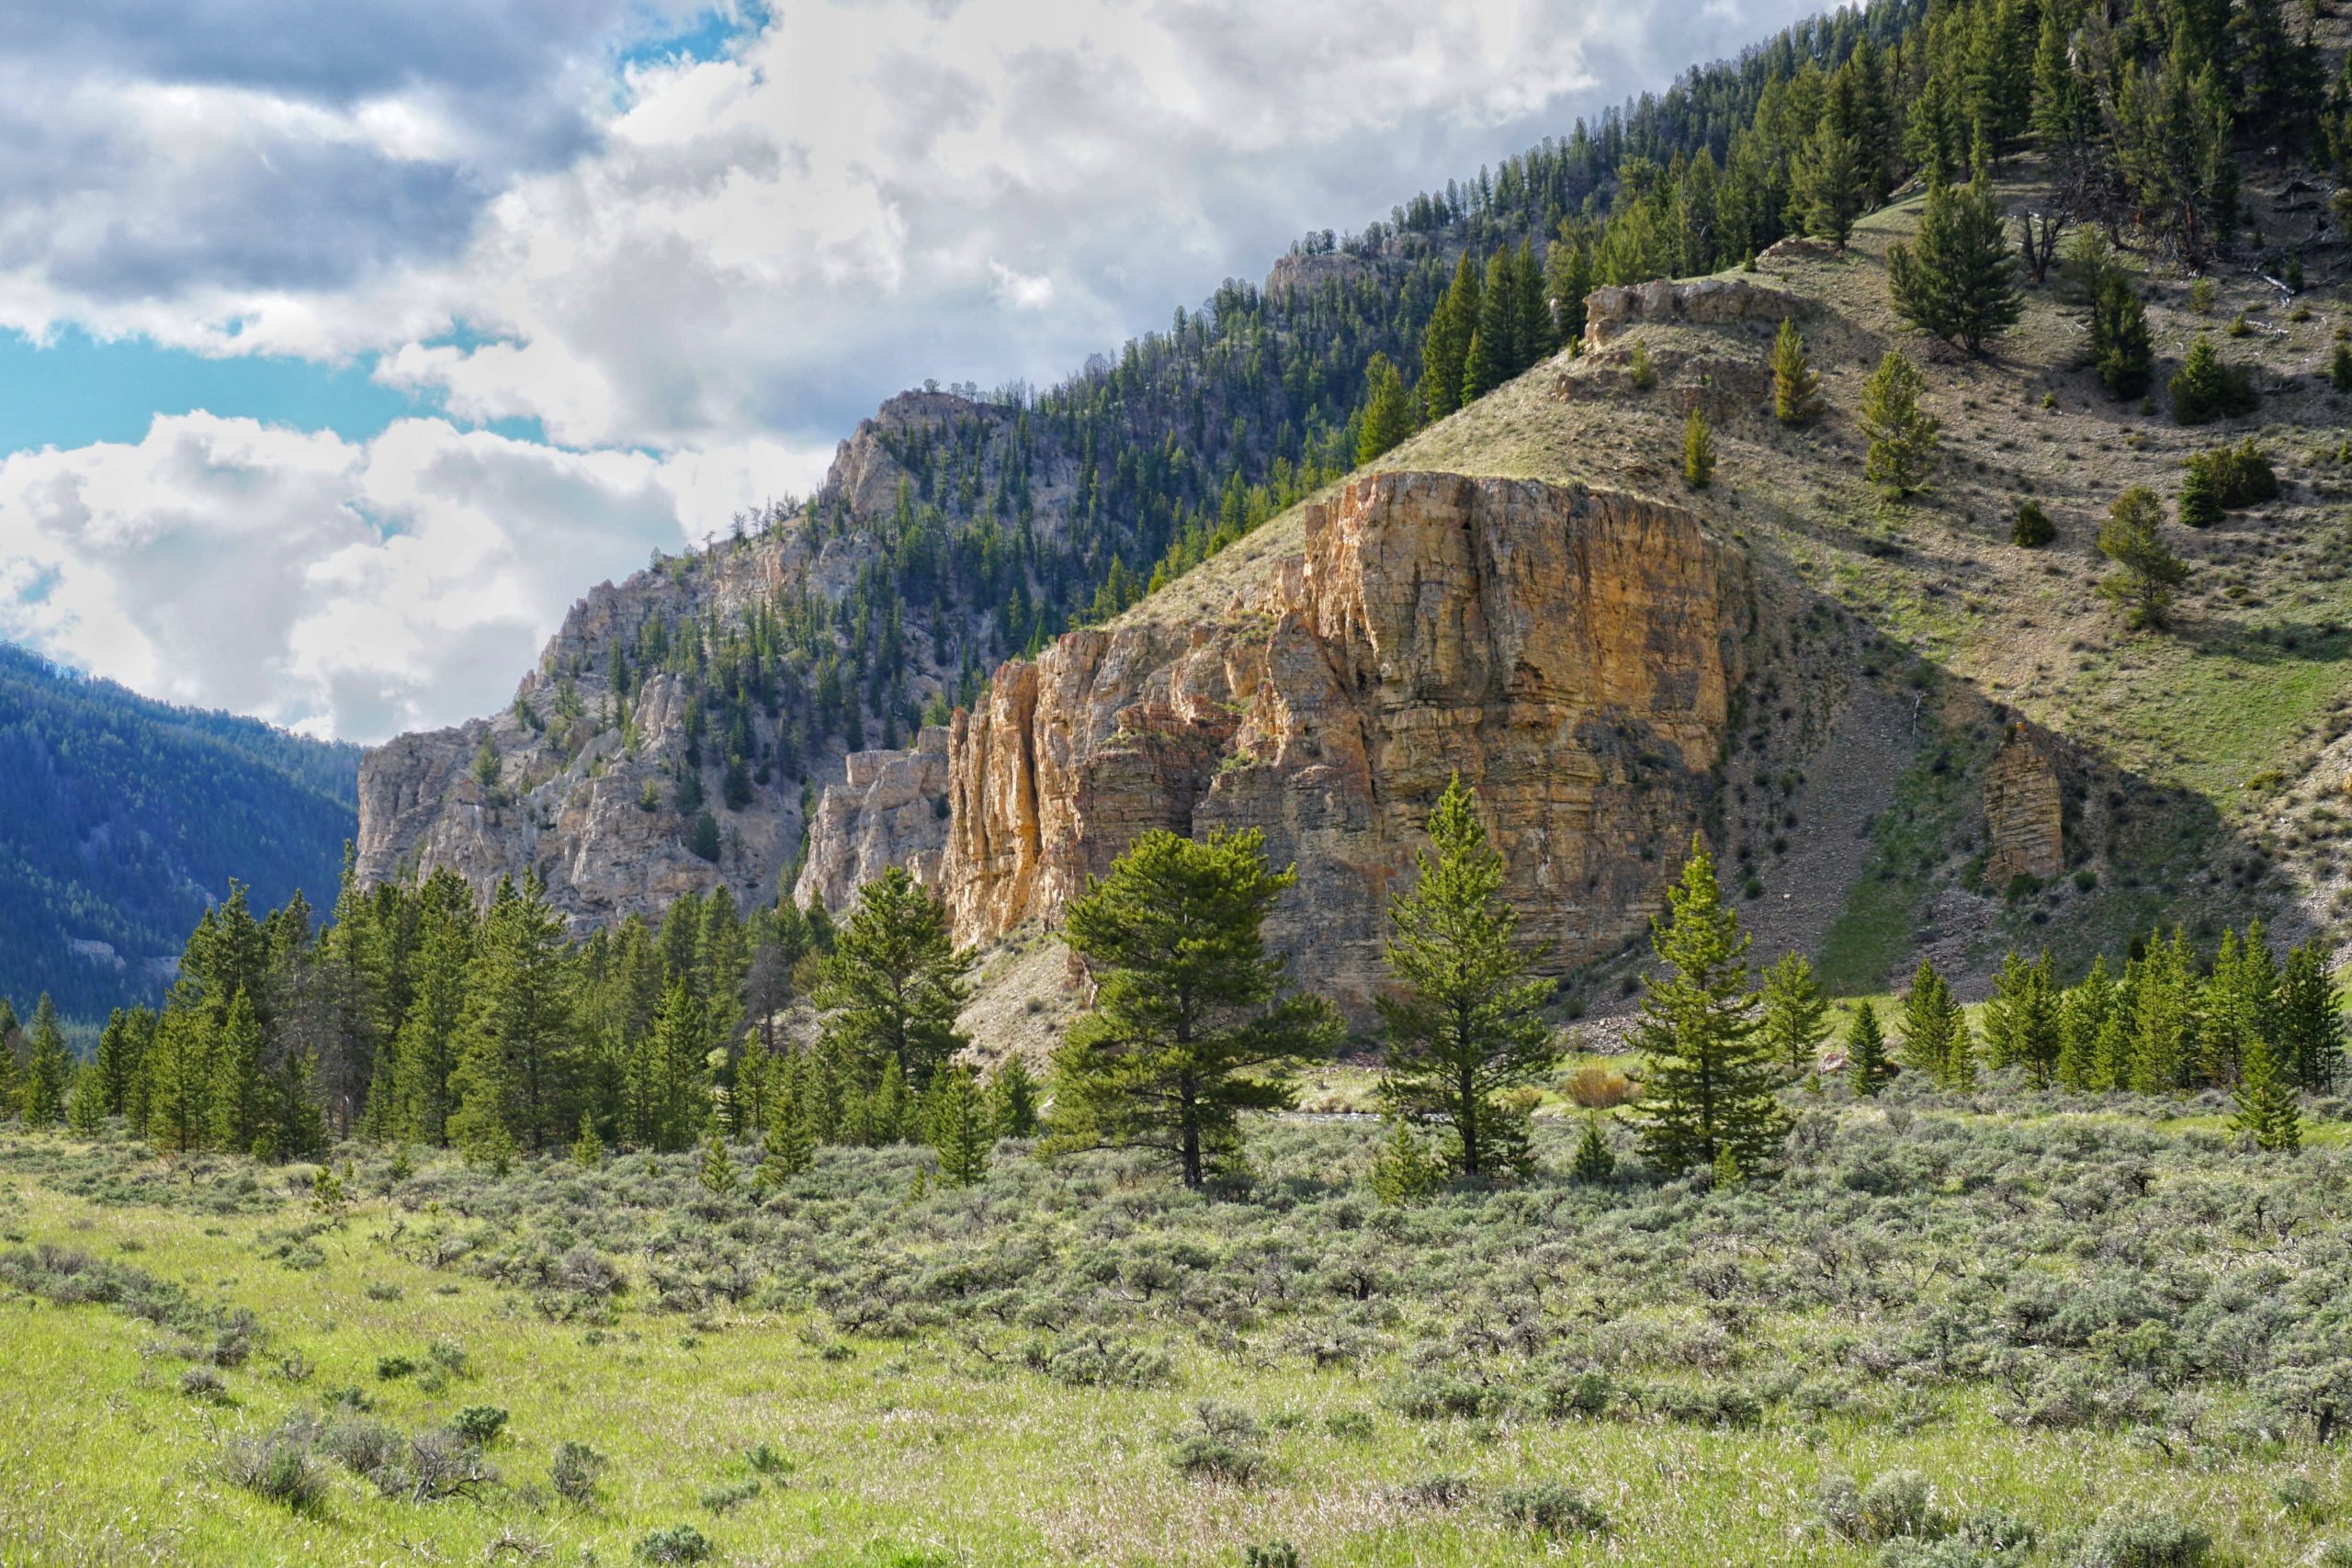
121,818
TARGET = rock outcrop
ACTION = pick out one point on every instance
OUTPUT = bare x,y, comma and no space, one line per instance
890,808
2024,814
1708,301
1571,652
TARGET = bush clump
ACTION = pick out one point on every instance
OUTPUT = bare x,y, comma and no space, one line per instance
2033,528
2127,1536
1550,1508
574,1472
679,1543
279,1468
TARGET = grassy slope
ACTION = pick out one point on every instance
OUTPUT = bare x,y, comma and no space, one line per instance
946,1449
2204,760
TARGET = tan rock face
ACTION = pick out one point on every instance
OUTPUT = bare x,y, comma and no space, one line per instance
1571,653
889,809
2024,814
1712,301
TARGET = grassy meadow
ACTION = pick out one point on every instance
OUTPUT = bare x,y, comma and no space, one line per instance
1993,1328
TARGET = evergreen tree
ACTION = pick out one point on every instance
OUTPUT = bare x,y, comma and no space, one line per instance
116,1065
86,1104
2147,572
236,1098
1904,436
1190,1026
1698,450
2121,349
2200,500
1796,1013
957,1122
516,1059
1446,345
790,1148
49,1068
1465,1022
715,1171
895,982
1012,1099
2204,388
2083,1017
1866,1062
1958,279
2268,1111
1707,1090
1935,1031
11,1086
1481,369
2310,1028
1796,387
424,1058
1833,181
180,1080
588,1148
1387,416
1594,1160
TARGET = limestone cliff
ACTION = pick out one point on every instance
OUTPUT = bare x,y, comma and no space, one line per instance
1572,652
890,808
2024,814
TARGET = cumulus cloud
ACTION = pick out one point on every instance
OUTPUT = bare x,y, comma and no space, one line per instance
347,588
694,271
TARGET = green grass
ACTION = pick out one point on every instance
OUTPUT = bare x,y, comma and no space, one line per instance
941,1440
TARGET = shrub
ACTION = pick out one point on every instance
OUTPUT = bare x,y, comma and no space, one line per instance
575,1471
1273,1554
1551,1509
1896,1504
2204,388
679,1543
389,1368
2033,528
478,1424
766,1460
732,1494
1597,1088
203,1382
279,1468
2233,476
1222,1447
362,1447
2127,1536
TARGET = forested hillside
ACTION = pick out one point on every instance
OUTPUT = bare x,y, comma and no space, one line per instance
121,819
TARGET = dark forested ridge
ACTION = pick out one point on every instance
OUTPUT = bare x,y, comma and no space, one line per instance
121,819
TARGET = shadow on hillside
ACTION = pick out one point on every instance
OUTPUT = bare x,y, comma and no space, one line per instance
2318,640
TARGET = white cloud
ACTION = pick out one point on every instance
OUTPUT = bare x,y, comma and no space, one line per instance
696,274
345,588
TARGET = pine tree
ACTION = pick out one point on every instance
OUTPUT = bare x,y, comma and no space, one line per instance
956,1123
588,1148
1465,1023
11,1088
1707,1090
1935,1031
2204,388
1796,387
715,1171
1388,415
895,982
2121,349
1866,1062
2310,1027
2083,1015
790,1147
1404,1169
516,1059
1594,1160
1190,1026
2267,1110
2340,366
117,1064
2200,499
2147,572
179,1081
1796,1013
236,1097
1445,343
1832,183
86,1104
1480,371
1012,1099
1698,450
1958,279
1904,438
49,1068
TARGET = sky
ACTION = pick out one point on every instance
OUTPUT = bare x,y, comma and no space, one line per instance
342,348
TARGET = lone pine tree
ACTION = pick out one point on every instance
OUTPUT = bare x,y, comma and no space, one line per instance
1709,1079
1191,1024
1465,1022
